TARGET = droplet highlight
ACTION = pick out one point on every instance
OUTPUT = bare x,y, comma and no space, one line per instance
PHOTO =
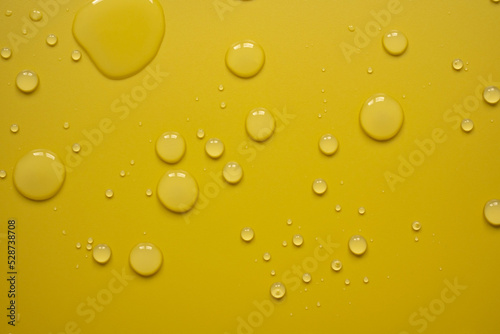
381,117
27,81
260,124
245,58
232,172
357,245
178,191
170,147
395,42
145,259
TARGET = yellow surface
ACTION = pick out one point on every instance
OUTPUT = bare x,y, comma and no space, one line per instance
211,281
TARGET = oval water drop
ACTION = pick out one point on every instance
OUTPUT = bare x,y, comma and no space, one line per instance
245,59
381,117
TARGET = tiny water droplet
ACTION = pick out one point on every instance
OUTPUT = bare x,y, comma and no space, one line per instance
273,272
223,105
492,212
221,88
357,245
306,277
8,12
109,193
336,265
149,192
416,226
260,124
247,234
200,134
122,173
395,42
323,69
66,125
3,174
27,81
101,253
319,186
36,15
338,208
76,148
266,256
366,280
416,239
289,222
64,232
245,58
457,64
284,243
232,172
51,40
328,144
214,148
89,247
6,53
347,282
78,245
76,55
170,147
381,117
491,94
298,240
14,128
278,290
145,259
369,70
132,162
467,125
351,28
361,210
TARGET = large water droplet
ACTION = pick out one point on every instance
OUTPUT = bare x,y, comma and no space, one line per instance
178,190
491,94
328,144
101,253
232,172
27,81
109,193
319,186
357,245
278,290
247,234
381,117
170,147
395,42
214,148
260,124
39,175
120,36
245,59
145,258
492,212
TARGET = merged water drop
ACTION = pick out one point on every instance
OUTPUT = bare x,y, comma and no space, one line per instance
381,117
395,42
492,212
170,147
101,253
260,124
278,290
245,59
357,245
178,191
146,259
27,81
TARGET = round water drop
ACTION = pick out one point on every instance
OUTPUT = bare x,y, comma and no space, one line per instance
306,277
492,212
66,125
36,15
260,124
221,88
90,240
319,186
298,240
273,272
284,243
14,128
416,226
369,70
266,256
145,258
351,28
347,282
245,59
109,193
336,265
381,117
178,191
278,290
122,173
101,253
3,174
338,208
76,55
357,245
232,172
366,280
78,245
467,125
457,64
416,239
51,40
8,12
27,81
491,94
328,144
223,105
170,147
76,147
121,36
89,247
395,42
214,148
5,53
361,210
39,175
289,222
149,192
200,134
247,234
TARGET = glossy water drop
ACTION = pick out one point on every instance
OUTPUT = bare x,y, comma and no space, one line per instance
89,247
298,240
467,125
3,174
223,105
381,117
232,172
39,175
289,222
336,265
149,192
245,59
273,272
51,40
90,240
178,191
328,144
491,94
266,256
109,193
306,277
338,208
457,64
361,210
66,125
76,148
357,245
492,212
36,15
395,42
278,290
416,226
200,134
347,282
76,55
260,124
247,234
170,147
416,239
319,186
14,128
214,148
27,81
120,36
122,173
369,70
101,253
284,243
145,258
6,53
366,280
78,245
8,12
221,87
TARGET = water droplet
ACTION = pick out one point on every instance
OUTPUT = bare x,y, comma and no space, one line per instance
145,258
120,36
122,173
366,280
178,191
381,117
223,105
266,256
245,59
492,212
491,94
102,253
221,88
284,243
109,193
200,134
6,53
90,240
328,144
273,272
36,15
170,147
298,240
232,172
260,124
457,64
361,210
64,232
3,174
319,186
66,125
247,234
336,265
14,128
347,282
149,192
306,277
416,226
351,28
78,245
39,175
8,12
369,70
132,162
27,81
89,247
289,222
76,147
357,245
76,55
278,290
51,40
338,208
467,125
214,148
323,69
395,42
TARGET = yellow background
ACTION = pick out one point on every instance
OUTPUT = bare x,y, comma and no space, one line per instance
210,281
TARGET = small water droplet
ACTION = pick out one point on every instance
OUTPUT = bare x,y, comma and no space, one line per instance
76,55
64,232
89,247
149,192
27,81
223,105
381,117
416,239
101,253
361,210
36,15
266,256
416,226
8,12
14,128
51,40
170,147
351,28
6,53
306,277
221,87
328,144
457,64
90,240
109,193
3,174
76,148
245,58
145,259
232,172
132,162
338,208
273,272
247,234
319,186
323,69
284,243
298,240
200,134
467,125
491,94
66,125
78,245
492,212
278,290
289,222
214,148
347,282
369,70
178,191
122,173
260,124
357,245
395,42
336,265
366,280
